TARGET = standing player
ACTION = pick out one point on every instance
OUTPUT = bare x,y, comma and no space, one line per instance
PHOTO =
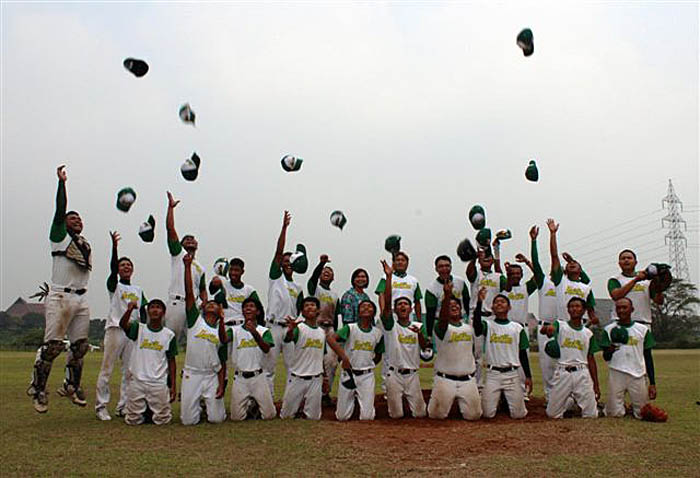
434,293
175,319
630,363
405,340
121,293
319,286
152,365
635,286
570,280
350,302
506,346
455,366
249,344
235,292
306,364
284,299
67,310
203,374
402,285
576,374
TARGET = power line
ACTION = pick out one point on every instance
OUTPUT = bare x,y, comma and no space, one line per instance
614,227
638,252
617,235
617,242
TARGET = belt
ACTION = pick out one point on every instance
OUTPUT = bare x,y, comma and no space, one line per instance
234,322
544,322
361,372
503,369
459,378
574,368
281,324
176,297
643,322
402,371
252,374
306,377
68,290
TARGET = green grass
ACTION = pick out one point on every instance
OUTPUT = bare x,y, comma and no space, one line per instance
70,441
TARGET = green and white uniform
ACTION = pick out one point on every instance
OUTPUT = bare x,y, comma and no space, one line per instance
328,321
435,293
175,313
572,379
250,381
567,289
148,386
627,369
361,346
200,375
233,313
547,311
640,295
305,372
493,282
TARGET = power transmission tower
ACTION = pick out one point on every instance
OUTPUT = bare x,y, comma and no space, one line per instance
675,238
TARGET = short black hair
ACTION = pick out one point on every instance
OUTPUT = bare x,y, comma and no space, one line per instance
311,299
396,301
186,236
501,295
401,253
443,258
515,265
250,300
156,302
72,212
124,258
627,250
374,307
576,299
627,299
236,261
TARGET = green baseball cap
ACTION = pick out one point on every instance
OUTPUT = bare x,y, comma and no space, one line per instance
503,234
291,163
483,237
190,168
619,335
221,266
466,251
136,67
531,172
299,261
147,230
477,217
526,42
186,114
552,349
338,219
125,198
392,244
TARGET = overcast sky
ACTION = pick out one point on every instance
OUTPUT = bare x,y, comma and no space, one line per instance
405,115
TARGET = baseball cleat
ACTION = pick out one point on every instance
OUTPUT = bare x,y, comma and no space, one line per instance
41,402
120,413
76,396
103,414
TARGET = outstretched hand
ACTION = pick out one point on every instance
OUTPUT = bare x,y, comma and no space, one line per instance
324,259
187,259
534,231
61,173
286,220
171,201
387,268
115,238
553,226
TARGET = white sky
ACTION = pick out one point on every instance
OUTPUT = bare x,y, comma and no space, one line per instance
406,115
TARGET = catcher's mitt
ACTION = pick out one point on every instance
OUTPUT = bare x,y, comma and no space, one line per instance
652,413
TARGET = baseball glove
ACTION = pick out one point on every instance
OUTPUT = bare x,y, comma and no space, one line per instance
652,413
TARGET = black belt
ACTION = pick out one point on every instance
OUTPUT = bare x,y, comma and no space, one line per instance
68,290
402,371
459,378
252,374
281,324
503,369
234,322
361,372
574,368
544,322
176,297
306,377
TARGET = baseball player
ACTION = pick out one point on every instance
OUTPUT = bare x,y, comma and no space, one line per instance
363,346
203,374
434,293
506,347
284,298
630,363
306,362
319,286
116,345
455,367
176,316
249,344
635,286
235,292
576,375
152,365
67,311
569,281
350,302
406,339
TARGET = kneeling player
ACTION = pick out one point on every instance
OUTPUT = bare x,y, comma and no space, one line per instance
306,364
152,365
454,366
404,340
576,375
202,377
629,362
506,346
364,346
250,343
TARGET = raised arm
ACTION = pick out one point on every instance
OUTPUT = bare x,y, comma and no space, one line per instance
170,219
553,250
618,291
471,268
312,284
497,256
332,342
477,323
279,252
124,322
388,306
58,225
113,277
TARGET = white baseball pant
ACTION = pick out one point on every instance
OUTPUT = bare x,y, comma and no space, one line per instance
142,394
197,386
446,391
330,365
479,360
547,363
255,388
175,316
270,360
302,388
407,385
116,346
508,383
365,396
66,314
618,384
577,385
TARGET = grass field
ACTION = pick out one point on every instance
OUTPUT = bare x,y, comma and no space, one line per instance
70,441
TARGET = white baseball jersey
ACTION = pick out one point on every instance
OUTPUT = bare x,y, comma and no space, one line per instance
203,345
640,297
247,354
503,342
149,362
436,290
548,303
402,345
519,303
282,295
629,357
455,350
361,345
65,272
329,303
492,282
568,289
574,344
234,299
309,345
401,286
119,301
177,275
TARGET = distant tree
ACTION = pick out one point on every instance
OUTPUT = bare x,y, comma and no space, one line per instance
32,320
677,318
31,337
97,330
